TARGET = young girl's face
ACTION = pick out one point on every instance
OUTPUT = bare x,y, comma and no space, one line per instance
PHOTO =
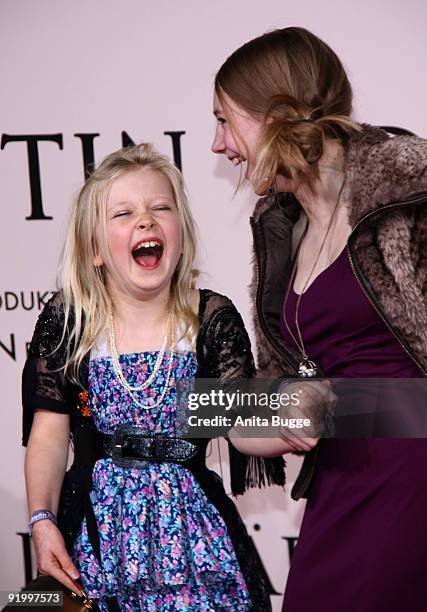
144,234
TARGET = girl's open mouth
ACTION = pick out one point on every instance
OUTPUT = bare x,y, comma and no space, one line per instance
148,253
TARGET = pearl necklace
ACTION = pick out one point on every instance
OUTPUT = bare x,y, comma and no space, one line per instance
119,372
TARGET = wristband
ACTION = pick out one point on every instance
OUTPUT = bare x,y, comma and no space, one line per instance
40,515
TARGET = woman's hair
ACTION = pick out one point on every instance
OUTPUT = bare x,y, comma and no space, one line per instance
87,304
297,86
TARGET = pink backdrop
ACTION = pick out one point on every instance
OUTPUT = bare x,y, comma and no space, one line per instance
104,67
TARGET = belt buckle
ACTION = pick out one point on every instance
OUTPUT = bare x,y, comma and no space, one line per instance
159,449
151,449
119,447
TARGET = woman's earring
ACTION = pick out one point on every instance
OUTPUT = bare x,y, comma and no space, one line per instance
271,189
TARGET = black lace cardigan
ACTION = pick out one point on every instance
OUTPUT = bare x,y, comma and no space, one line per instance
223,352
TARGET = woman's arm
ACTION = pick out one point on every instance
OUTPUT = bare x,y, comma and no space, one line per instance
263,447
45,465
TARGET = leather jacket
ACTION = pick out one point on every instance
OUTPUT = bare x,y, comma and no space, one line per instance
387,249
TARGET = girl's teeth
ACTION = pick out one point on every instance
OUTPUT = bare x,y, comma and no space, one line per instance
148,244
236,161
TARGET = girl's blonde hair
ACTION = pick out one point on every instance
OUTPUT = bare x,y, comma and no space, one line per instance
87,305
298,88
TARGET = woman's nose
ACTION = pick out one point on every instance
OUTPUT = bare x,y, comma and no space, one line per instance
218,142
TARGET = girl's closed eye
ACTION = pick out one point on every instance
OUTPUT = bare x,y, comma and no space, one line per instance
162,207
121,213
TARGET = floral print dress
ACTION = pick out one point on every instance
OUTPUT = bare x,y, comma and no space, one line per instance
164,546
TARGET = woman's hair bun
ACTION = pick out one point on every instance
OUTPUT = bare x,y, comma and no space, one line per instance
294,138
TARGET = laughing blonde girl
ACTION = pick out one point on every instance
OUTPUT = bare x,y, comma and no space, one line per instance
139,517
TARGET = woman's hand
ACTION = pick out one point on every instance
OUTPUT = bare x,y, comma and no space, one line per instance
316,400
52,556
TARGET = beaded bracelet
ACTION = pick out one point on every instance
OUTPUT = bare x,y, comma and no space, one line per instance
40,515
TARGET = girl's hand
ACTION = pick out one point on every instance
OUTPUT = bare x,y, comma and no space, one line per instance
316,399
52,556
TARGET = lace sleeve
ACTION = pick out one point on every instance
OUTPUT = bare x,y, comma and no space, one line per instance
43,385
226,345
225,350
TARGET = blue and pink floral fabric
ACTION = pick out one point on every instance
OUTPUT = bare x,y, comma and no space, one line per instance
164,546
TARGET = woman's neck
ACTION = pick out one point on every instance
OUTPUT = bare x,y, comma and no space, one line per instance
320,201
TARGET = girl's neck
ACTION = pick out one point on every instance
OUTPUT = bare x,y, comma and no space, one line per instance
140,325
153,312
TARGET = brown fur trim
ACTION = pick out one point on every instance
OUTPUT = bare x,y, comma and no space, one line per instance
391,246
382,170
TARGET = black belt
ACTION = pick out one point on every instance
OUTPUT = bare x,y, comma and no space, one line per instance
130,447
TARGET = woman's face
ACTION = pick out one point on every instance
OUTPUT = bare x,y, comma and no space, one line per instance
239,141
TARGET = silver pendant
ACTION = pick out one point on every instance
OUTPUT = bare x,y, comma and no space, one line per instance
307,369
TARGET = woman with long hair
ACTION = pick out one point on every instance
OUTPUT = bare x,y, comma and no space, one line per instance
340,291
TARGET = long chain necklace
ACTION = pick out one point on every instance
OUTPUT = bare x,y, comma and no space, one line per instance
160,357
307,368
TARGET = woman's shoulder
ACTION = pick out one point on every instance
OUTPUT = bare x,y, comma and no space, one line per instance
406,154
388,157
383,169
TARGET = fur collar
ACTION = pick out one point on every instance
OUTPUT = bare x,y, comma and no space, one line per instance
390,253
379,170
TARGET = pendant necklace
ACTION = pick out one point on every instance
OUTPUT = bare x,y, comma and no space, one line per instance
307,368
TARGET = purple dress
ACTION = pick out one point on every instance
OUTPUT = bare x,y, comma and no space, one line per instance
363,542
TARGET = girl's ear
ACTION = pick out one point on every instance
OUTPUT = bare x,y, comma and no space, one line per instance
98,261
